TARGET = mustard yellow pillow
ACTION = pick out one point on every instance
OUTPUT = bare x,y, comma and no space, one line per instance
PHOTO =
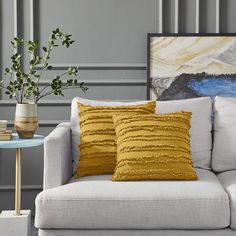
153,147
97,136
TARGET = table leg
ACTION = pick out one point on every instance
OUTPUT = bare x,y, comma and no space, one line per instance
18,182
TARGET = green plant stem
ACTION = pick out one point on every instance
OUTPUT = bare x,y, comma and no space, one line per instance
15,91
22,93
17,99
31,69
52,91
46,86
41,73
49,93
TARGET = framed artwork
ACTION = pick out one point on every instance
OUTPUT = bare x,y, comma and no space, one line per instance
191,65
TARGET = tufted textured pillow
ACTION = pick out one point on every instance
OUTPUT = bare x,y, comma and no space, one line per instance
97,136
153,147
75,121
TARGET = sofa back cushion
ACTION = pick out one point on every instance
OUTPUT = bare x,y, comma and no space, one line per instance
224,148
201,126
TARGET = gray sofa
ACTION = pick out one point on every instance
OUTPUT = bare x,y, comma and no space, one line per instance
96,206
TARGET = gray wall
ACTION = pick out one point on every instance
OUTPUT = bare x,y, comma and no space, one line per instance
111,51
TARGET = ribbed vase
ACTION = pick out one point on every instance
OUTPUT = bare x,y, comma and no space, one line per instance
26,120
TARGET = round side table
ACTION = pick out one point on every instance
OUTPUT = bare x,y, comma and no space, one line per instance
18,143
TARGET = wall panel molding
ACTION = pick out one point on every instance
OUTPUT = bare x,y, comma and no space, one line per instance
160,20
110,82
217,19
43,123
176,29
32,20
18,8
48,103
34,5
7,103
97,66
17,18
7,188
197,15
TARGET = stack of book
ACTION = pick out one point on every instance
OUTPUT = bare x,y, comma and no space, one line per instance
5,135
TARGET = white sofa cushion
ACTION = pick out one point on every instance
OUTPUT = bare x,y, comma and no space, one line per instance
201,126
228,180
95,202
164,232
224,148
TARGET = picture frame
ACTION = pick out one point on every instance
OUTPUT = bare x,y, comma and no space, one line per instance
188,65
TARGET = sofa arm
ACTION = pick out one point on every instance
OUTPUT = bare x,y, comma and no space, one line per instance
57,156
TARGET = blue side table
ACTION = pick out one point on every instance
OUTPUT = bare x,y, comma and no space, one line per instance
18,143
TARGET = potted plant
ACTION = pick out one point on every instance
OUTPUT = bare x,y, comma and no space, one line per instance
24,86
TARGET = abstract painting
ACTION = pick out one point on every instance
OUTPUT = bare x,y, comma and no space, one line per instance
191,65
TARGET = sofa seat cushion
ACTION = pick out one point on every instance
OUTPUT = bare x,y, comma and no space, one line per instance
95,202
228,180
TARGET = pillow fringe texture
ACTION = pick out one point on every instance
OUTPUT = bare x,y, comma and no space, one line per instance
97,146
153,147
